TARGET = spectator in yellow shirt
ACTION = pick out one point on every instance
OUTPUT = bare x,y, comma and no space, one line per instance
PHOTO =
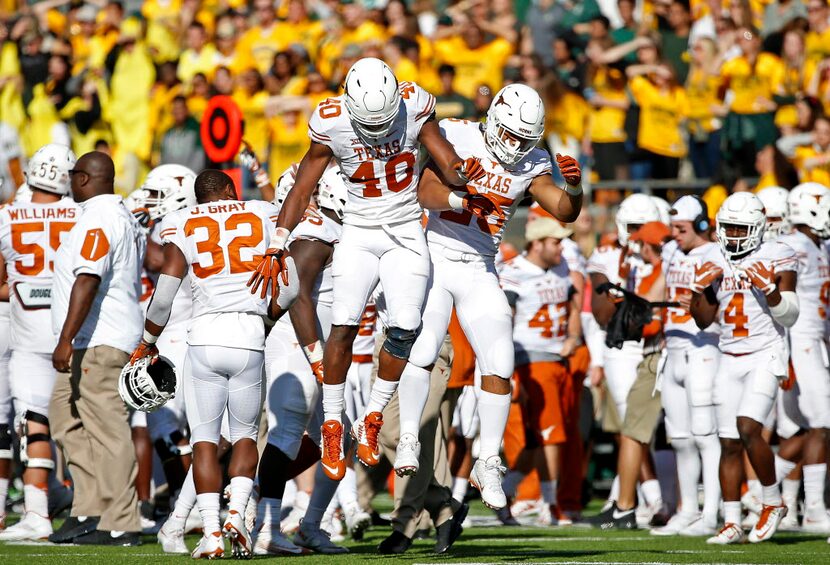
258,45
476,61
817,41
288,140
251,98
283,78
162,28
226,40
198,96
200,55
813,161
705,108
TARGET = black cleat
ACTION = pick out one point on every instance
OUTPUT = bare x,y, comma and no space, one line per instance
396,543
614,518
72,527
450,530
106,537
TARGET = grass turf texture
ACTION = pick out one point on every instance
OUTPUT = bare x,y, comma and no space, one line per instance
571,544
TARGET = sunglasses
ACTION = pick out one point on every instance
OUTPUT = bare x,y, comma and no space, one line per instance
77,171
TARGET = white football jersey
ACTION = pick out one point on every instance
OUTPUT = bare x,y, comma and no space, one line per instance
813,286
572,254
30,235
540,324
381,178
461,230
223,242
611,262
680,328
745,321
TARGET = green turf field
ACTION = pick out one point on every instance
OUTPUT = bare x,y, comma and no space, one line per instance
570,544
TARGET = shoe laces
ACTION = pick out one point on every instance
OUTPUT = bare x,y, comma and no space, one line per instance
332,445
371,428
726,527
765,512
493,473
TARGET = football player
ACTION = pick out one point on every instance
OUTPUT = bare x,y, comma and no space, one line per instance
30,234
748,287
463,245
546,330
689,375
807,400
374,132
218,244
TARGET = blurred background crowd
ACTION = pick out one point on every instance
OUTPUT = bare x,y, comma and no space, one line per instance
717,95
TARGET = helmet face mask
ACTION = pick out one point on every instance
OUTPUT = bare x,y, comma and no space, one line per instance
166,189
147,384
740,225
634,211
515,123
372,98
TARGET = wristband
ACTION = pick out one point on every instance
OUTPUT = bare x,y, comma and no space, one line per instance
573,190
149,338
314,352
280,237
456,200
261,178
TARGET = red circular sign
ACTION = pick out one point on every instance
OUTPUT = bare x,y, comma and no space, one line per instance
221,129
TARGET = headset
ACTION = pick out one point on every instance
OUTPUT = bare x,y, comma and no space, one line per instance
701,222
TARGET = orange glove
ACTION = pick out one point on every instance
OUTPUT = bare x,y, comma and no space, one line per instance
570,169
144,349
482,205
762,277
705,275
469,169
268,271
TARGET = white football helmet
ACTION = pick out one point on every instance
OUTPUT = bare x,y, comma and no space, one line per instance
147,384
515,123
664,208
49,168
166,189
636,210
372,98
23,194
804,205
822,215
774,199
742,209
284,184
332,192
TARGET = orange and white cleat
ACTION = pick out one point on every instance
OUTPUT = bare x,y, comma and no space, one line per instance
211,546
332,458
729,534
768,523
366,434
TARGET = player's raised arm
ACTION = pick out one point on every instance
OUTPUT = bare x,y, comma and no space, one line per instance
566,204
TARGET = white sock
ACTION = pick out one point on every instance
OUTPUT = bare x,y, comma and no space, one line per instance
614,494
754,486
651,491
548,489
208,503
512,481
333,401
185,501
240,493
268,512
301,499
771,495
709,448
321,496
688,473
4,493
347,490
36,500
783,468
459,488
814,477
380,396
789,490
414,388
732,512
493,410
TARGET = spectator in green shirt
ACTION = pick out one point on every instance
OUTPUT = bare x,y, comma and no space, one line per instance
451,104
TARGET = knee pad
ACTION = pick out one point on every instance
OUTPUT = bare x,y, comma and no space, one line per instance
5,442
398,342
168,448
703,420
26,439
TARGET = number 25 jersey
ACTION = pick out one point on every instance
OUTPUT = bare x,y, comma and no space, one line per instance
223,242
382,177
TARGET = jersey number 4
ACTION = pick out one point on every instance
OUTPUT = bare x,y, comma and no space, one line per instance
735,317
212,244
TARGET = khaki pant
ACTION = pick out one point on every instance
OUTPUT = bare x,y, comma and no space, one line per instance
430,488
90,424
644,405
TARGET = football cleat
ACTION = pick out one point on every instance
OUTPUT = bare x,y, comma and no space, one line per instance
171,538
816,524
407,455
699,528
487,477
366,433
558,517
728,534
331,458
32,527
768,523
270,541
676,524
317,540
357,521
238,535
211,546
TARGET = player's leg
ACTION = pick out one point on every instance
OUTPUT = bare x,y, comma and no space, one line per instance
355,267
6,415
206,399
703,368
487,321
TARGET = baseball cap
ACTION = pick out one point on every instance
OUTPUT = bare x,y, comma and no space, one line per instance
86,13
653,233
686,209
540,228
